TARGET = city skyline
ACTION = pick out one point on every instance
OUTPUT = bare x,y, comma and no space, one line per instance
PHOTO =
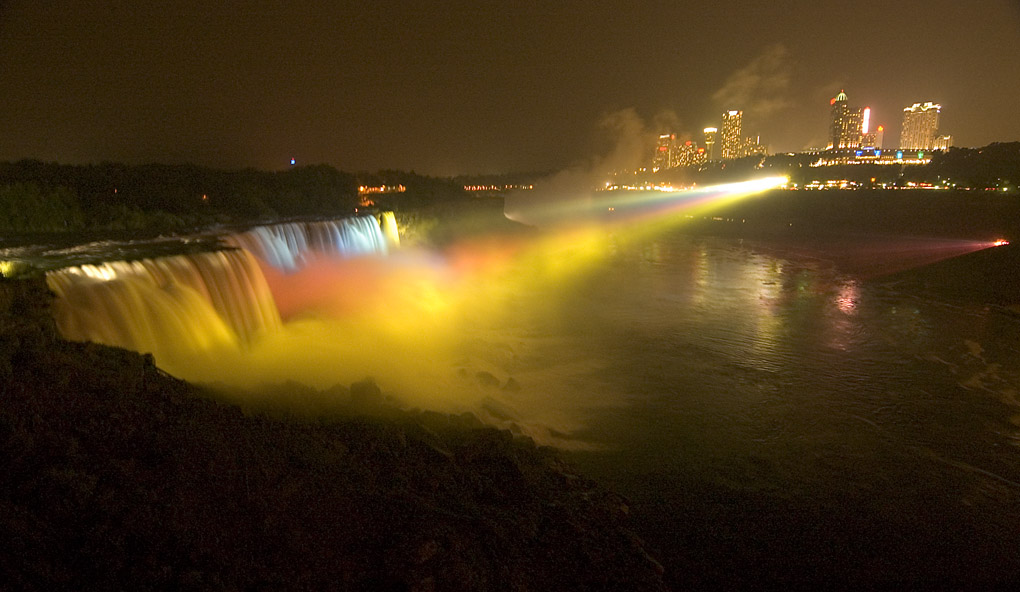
479,89
850,128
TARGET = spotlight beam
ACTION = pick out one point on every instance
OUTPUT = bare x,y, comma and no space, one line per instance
625,206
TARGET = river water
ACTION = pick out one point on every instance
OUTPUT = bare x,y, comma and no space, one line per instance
781,417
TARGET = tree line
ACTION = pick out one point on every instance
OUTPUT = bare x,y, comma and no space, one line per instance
48,197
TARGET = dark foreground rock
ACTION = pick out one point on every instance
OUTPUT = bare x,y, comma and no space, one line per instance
117,476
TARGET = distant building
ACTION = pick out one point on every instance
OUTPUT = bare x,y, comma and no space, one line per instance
871,156
867,136
663,151
942,142
710,134
844,124
686,154
731,138
920,125
753,147
873,139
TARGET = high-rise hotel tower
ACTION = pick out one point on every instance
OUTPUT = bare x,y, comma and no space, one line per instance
845,125
730,140
920,125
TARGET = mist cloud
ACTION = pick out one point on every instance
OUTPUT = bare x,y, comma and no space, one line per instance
761,87
628,141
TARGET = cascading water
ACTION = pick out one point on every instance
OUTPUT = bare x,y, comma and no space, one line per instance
167,306
181,305
288,246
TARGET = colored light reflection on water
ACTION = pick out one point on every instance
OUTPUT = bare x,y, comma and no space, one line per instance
784,409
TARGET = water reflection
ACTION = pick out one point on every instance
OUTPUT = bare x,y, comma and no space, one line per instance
778,399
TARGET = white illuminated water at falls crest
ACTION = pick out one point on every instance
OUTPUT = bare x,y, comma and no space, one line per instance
288,245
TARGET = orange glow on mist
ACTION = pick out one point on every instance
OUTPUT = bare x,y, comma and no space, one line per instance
336,287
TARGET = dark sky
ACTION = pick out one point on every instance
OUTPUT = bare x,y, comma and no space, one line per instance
474,87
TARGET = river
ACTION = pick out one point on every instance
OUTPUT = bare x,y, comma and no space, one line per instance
782,417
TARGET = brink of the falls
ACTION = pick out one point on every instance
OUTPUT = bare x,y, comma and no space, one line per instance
180,305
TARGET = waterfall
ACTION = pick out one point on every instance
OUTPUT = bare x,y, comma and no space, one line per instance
388,224
288,246
179,305
170,305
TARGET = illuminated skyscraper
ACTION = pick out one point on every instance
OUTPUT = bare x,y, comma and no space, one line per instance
845,125
871,137
686,153
920,125
731,140
663,150
710,133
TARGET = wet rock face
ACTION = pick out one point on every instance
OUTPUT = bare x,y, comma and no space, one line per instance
119,476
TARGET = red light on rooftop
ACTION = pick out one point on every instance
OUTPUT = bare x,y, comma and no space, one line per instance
832,101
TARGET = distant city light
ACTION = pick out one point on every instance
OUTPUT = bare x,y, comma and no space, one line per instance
504,187
865,120
293,161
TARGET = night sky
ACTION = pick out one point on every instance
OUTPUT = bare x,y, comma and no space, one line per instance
478,87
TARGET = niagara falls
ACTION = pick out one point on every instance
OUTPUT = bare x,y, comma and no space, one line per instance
490,297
